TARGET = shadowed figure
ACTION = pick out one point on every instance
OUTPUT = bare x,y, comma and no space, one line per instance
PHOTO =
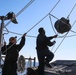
12,52
43,52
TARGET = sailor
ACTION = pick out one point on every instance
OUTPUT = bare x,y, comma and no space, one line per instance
43,52
12,51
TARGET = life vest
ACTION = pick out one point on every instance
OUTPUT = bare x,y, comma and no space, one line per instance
62,25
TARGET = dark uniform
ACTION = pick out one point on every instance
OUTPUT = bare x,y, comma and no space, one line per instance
10,64
43,52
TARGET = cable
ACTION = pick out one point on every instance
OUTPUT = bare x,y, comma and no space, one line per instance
72,31
20,34
22,10
43,17
60,43
6,30
73,24
39,22
63,38
36,23
56,33
52,24
54,6
53,30
71,11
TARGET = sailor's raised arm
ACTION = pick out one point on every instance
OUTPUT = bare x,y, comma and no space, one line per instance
22,42
51,37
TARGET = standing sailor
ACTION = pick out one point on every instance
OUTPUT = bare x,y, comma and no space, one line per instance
43,52
10,64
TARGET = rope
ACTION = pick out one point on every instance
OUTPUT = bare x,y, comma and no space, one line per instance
35,24
53,30
52,24
54,6
60,43
63,38
71,11
40,21
10,46
56,33
66,36
22,10
6,30
43,17
59,20
36,37
53,46
72,31
20,34
73,24
27,31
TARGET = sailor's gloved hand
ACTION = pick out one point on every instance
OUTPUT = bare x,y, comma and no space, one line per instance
55,36
54,42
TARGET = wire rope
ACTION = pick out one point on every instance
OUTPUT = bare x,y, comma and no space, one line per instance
71,11
20,34
52,24
63,39
22,10
34,25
